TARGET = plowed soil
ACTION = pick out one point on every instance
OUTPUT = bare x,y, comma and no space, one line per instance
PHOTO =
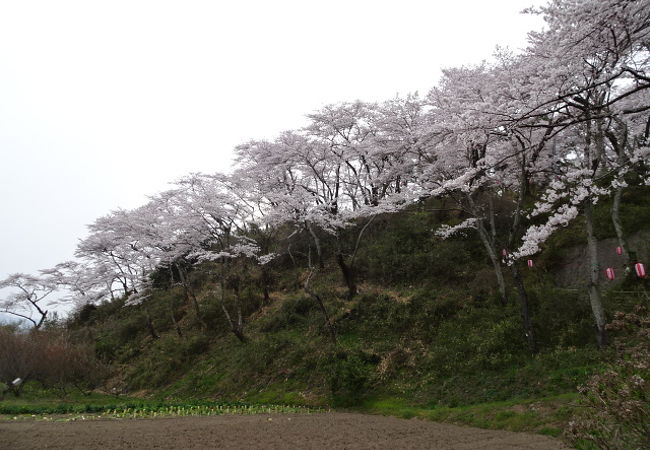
277,431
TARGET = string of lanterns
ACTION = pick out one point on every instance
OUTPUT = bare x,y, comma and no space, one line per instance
639,268
610,273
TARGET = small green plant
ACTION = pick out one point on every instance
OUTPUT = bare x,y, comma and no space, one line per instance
143,409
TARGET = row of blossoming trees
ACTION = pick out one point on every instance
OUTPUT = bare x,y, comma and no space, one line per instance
558,126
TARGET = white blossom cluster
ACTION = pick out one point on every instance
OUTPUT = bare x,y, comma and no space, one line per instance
246,249
445,231
562,200
537,234
462,183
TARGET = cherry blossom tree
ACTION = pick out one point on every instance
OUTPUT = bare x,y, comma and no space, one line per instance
26,297
284,194
592,56
457,160
366,167
221,216
83,282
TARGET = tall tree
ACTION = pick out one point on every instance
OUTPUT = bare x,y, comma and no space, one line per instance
26,297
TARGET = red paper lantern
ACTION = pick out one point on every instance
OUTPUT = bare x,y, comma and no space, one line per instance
640,270
531,264
619,251
609,272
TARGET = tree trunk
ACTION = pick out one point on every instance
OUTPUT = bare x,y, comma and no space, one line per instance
293,260
177,326
150,327
594,269
630,255
266,281
496,264
348,275
594,158
525,310
516,275
237,327
40,322
267,295
348,267
189,295
488,240
319,252
328,323
175,323
308,290
240,335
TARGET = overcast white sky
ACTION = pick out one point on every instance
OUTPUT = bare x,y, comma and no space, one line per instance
104,102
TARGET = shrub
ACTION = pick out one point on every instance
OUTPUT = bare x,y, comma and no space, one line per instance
48,357
349,375
19,356
293,311
617,401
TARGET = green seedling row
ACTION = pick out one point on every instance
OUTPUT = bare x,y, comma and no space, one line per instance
135,410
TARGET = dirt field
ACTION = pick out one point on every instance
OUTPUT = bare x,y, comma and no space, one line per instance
281,431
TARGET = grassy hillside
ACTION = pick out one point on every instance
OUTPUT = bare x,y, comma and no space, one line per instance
426,336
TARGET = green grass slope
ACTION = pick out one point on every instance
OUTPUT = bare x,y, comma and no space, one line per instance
425,337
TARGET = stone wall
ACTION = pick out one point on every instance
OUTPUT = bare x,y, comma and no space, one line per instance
571,271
